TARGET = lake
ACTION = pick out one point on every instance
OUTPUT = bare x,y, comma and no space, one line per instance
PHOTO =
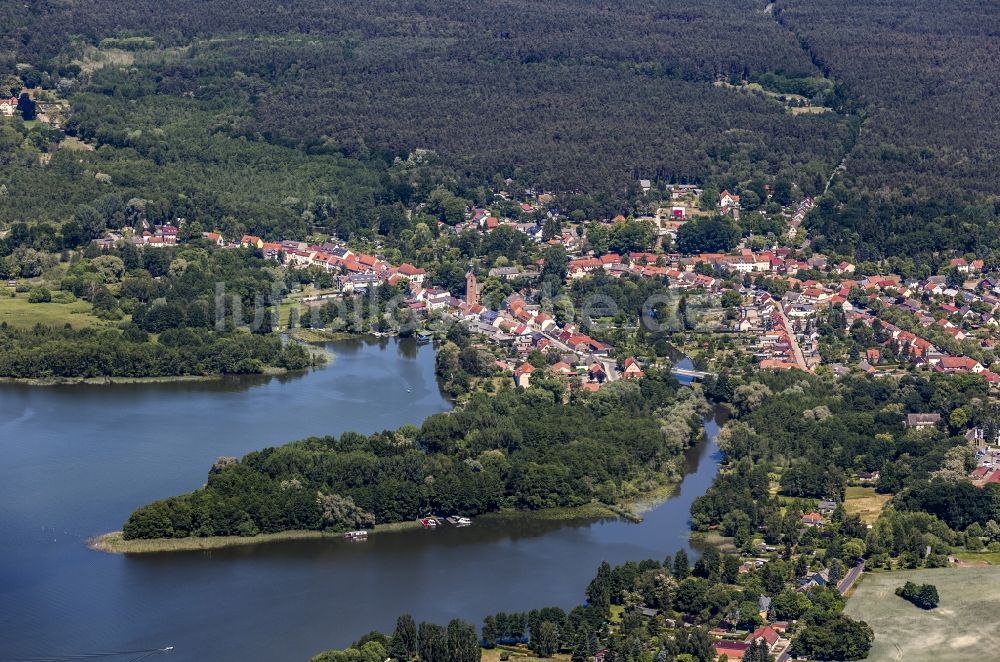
78,459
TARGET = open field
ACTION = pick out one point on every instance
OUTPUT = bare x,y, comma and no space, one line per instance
865,502
17,312
962,629
977,558
520,654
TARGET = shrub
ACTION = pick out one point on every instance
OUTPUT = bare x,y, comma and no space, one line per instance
39,295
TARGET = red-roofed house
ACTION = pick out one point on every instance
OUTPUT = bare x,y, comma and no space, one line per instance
812,519
632,369
733,650
562,369
959,364
767,634
412,273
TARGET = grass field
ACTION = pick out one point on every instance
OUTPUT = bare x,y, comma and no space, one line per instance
19,313
977,558
865,502
520,654
962,629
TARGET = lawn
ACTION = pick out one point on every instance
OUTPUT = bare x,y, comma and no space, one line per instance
963,628
17,312
865,502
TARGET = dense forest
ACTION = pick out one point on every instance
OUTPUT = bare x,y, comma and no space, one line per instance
568,96
922,178
514,449
312,102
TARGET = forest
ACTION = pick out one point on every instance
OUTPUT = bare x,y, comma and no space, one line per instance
316,107
524,450
566,96
922,176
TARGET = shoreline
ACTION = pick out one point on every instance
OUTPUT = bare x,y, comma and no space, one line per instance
113,542
102,381
268,371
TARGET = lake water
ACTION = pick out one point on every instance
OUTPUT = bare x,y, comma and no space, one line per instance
76,460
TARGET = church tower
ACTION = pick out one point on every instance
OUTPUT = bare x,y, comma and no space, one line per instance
471,289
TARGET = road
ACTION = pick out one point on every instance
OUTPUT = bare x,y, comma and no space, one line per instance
800,359
848,581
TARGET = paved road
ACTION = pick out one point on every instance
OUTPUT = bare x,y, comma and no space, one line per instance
800,359
848,581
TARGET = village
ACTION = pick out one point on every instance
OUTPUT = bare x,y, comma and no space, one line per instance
787,294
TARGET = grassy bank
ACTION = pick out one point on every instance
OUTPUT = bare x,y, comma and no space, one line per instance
51,381
268,371
114,542
590,511
321,335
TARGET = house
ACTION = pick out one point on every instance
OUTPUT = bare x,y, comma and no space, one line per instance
522,375
812,519
922,421
8,107
733,650
763,605
250,241
868,476
727,200
215,238
597,374
820,579
952,364
411,273
632,369
505,273
562,369
765,633
827,507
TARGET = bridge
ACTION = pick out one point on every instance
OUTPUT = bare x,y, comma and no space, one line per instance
693,374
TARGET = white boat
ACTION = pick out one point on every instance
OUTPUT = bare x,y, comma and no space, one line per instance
356,535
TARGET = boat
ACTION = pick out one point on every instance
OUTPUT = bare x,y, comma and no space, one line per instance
459,521
356,535
429,522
